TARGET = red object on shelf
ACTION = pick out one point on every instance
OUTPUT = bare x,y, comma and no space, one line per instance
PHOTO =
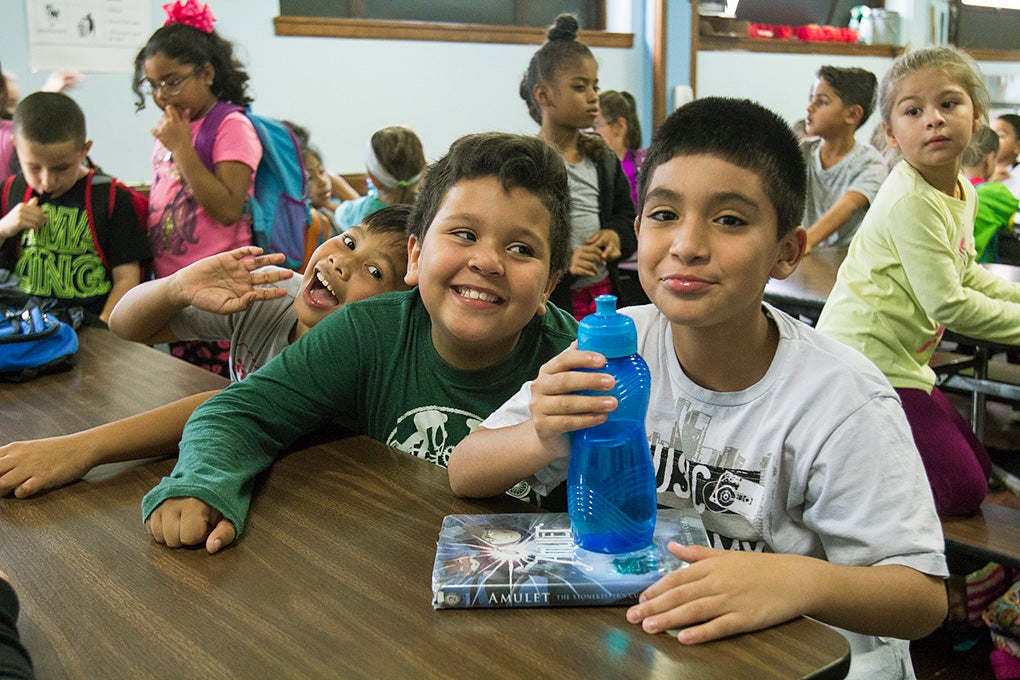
773,31
810,33
816,33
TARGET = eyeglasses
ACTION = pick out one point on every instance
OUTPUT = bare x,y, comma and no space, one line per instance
169,88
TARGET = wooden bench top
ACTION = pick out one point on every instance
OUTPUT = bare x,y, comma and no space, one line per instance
992,533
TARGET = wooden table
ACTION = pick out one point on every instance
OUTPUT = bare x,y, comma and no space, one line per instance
332,577
992,533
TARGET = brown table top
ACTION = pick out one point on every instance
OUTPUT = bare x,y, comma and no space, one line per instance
332,577
992,533
806,289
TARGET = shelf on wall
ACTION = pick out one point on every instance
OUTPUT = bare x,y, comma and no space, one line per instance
713,43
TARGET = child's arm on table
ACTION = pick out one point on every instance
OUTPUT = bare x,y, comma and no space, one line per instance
220,284
834,218
28,467
239,432
725,592
125,277
476,472
221,193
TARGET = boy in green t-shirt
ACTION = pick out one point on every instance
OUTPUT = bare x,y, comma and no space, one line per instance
416,370
996,205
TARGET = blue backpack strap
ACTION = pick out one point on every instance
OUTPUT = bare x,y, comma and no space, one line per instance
206,137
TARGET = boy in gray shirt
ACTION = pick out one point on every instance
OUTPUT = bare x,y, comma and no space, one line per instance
843,175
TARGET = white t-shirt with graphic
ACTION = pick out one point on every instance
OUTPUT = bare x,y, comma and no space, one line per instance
815,459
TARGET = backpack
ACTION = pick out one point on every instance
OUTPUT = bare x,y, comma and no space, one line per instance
279,211
97,195
33,342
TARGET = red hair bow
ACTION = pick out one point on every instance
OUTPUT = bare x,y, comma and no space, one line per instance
190,13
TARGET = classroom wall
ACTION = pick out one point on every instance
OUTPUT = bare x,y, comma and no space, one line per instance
783,82
341,89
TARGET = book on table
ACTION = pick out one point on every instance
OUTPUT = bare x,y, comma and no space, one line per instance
531,560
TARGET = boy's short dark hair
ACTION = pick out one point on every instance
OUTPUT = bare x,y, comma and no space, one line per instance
984,142
49,118
852,85
389,220
516,161
740,132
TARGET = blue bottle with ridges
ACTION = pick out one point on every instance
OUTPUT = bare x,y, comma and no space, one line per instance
610,478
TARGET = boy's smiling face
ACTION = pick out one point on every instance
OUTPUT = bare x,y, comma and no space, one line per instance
355,265
707,244
482,270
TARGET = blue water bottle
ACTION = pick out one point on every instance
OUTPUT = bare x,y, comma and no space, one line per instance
610,479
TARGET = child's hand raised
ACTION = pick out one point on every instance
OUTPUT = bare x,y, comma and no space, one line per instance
188,521
173,129
227,283
724,593
556,408
27,215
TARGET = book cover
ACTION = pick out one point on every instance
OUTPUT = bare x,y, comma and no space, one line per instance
531,560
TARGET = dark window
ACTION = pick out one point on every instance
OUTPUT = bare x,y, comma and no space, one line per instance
536,13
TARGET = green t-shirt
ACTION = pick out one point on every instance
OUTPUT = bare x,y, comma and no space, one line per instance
370,367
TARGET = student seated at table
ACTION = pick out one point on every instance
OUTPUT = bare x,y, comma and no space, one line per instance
230,296
833,517
415,370
996,205
911,272
15,663
50,235
843,175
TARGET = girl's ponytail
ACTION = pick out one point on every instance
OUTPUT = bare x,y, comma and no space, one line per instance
396,158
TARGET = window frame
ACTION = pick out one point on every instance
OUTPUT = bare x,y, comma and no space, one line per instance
389,29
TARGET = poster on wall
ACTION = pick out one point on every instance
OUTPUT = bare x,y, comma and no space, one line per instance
86,35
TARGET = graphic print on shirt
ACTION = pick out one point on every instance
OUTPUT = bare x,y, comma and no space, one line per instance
715,482
431,432
59,259
174,230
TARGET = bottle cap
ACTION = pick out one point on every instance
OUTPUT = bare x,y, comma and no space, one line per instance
610,334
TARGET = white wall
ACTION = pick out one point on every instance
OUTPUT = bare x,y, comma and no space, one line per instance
782,82
342,90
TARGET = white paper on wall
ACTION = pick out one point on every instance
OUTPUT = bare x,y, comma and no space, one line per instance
87,35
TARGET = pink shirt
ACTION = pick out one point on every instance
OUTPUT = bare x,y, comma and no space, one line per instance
180,230
6,148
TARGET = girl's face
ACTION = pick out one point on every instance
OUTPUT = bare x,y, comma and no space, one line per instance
184,86
1009,144
931,122
318,182
571,99
613,131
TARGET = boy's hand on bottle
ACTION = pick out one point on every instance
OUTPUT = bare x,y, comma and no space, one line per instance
723,593
173,129
228,283
27,215
556,408
188,521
